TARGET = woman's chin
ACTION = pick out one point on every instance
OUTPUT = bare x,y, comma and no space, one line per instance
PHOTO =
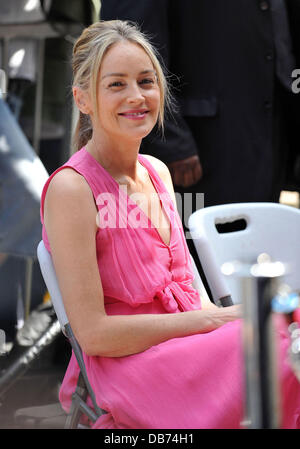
138,133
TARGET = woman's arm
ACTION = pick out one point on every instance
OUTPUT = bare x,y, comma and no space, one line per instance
70,220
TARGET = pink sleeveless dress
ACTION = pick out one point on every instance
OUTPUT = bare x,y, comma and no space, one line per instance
194,382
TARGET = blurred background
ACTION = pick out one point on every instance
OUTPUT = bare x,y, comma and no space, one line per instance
36,119
36,122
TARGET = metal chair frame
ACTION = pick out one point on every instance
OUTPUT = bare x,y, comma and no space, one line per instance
84,389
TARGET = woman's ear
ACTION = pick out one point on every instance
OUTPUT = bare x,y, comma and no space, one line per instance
81,99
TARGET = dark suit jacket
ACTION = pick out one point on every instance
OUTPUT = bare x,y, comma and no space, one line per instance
223,53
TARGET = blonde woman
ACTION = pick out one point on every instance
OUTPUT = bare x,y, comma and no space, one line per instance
157,355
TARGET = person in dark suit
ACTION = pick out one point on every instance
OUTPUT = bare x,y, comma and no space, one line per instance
233,61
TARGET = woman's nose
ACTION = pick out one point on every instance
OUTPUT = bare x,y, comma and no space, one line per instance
135,95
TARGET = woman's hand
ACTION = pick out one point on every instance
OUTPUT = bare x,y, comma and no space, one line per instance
227,314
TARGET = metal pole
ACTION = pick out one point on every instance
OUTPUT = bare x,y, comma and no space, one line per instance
270,407
22,363
28,285
39,95
258,286
36,145
251,338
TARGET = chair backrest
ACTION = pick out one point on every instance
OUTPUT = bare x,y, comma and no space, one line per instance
49,275
263,228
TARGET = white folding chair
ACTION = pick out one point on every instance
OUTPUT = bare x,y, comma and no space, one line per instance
255,228
84,390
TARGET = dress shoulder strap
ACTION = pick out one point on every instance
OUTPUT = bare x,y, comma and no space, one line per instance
153,173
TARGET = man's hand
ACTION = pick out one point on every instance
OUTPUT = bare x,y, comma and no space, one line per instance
186,172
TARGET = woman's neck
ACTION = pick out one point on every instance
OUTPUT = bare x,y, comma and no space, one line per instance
120,159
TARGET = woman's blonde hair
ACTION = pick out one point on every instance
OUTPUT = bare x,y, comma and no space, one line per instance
88,52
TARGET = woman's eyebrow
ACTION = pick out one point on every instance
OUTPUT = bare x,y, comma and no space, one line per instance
113,74
148,71
125,74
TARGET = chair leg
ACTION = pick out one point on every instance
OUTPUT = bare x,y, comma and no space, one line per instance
73,418
79,396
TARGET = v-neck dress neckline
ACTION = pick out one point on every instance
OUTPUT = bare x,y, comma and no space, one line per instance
143,161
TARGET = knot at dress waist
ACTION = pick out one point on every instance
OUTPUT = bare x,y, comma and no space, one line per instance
178,296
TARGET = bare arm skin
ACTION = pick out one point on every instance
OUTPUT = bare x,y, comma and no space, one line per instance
70,220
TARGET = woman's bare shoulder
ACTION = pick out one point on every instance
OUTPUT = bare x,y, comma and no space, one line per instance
68,197
159,165
68,184
163,172
67,179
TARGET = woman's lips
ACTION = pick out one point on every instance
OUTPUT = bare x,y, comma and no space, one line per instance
135,114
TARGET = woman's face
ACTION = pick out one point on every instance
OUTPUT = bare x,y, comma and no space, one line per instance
128,92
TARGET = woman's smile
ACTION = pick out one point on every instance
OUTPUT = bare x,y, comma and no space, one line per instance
135,114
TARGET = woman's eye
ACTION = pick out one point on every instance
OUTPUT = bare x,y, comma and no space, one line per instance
116,84
147,81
